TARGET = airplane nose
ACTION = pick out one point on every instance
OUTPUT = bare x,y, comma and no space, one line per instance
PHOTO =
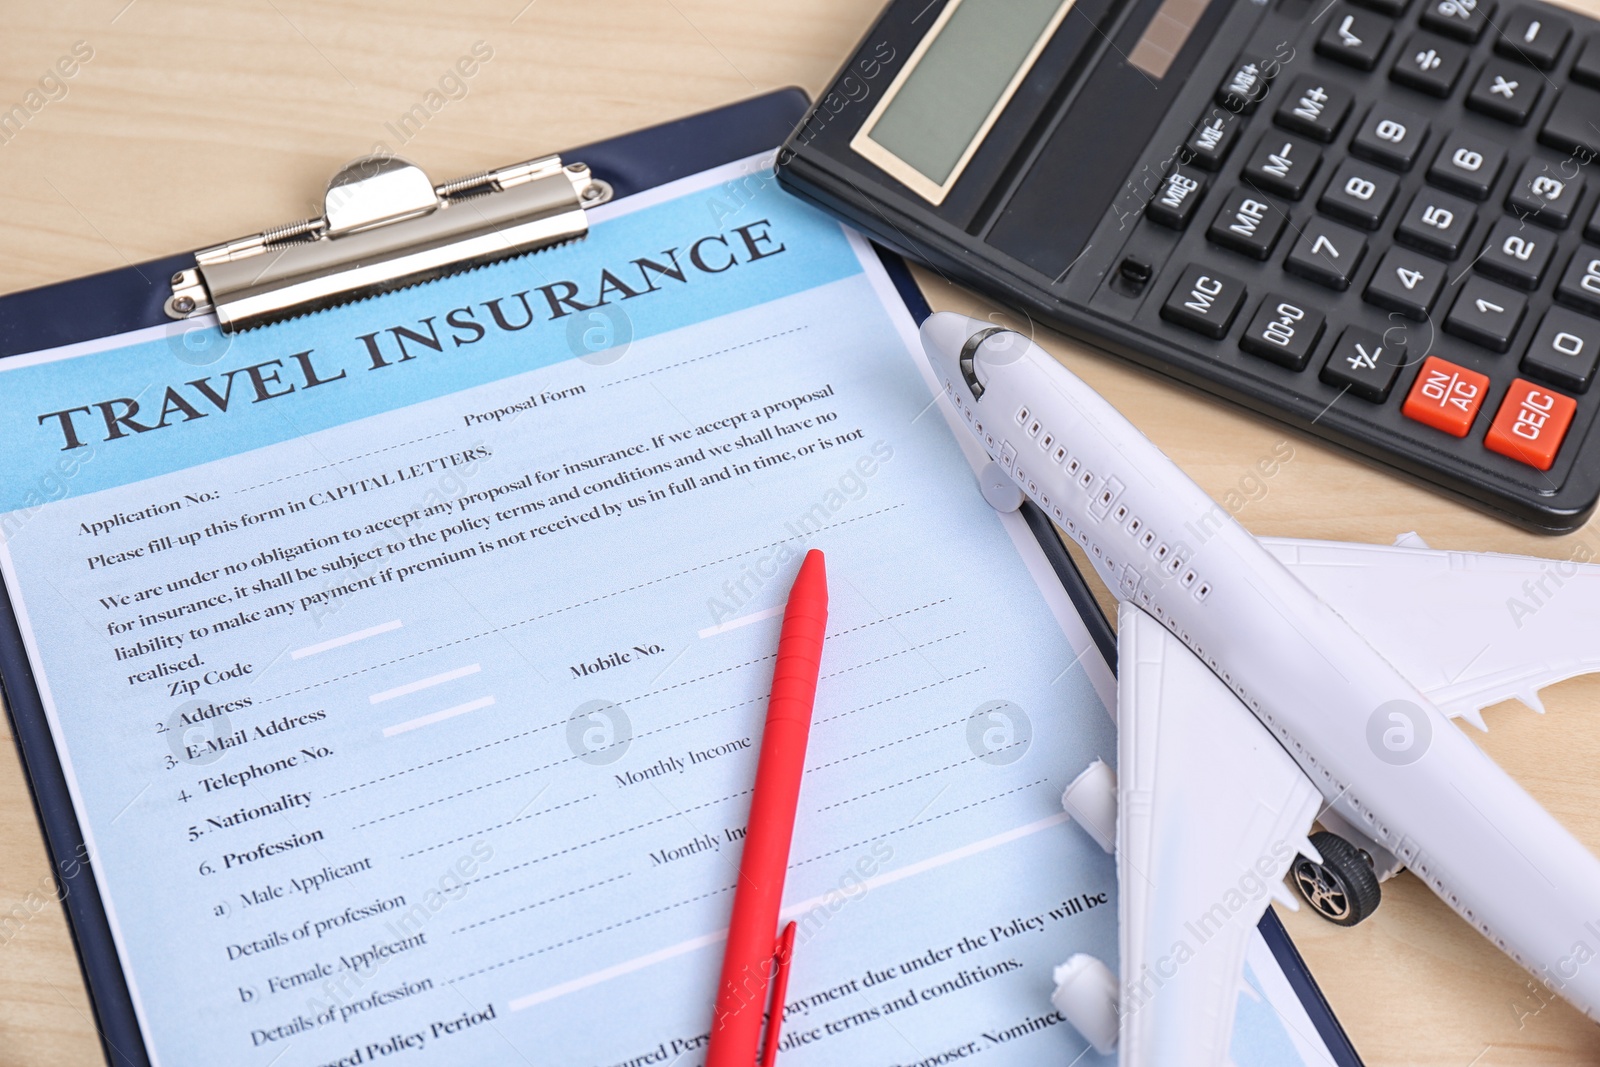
943,334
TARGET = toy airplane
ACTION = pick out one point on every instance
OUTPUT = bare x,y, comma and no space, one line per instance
1268,684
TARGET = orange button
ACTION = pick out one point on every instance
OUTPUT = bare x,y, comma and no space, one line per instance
1446,396
1531,424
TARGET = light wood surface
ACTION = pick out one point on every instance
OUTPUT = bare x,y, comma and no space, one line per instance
193,123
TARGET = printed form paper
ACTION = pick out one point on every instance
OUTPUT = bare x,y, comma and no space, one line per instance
407,663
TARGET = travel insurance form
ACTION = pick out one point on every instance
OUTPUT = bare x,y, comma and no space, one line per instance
407,663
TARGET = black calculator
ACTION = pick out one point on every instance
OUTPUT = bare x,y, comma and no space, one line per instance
1376,221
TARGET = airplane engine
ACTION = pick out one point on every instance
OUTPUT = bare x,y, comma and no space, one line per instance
1091,800
1086,996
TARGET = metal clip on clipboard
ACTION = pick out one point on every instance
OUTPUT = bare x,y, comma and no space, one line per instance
386,226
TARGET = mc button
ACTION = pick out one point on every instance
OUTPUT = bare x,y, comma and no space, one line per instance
1204,301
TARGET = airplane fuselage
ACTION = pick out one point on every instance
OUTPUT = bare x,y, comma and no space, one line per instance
1381,753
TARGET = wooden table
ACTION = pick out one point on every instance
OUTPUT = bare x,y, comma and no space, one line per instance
192,123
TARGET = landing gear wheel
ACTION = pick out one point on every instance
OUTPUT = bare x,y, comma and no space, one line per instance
1342,888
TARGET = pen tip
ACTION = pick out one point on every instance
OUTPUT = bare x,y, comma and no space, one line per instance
812,568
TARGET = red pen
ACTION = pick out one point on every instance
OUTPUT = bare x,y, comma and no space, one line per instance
753,940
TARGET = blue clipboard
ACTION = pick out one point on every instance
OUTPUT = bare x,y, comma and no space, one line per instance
132,298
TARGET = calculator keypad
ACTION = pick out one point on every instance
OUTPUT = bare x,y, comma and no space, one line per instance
1282,165
1431,183
1534,37
1248,224
1506,92
1354,37
1544,195
1467,164
1430,64
1437,223
1462,19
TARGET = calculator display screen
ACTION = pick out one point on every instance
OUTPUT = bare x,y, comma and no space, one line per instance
953,87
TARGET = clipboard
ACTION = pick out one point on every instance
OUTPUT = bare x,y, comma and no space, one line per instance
166,291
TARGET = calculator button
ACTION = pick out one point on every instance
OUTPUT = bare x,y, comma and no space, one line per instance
1571,126
1242,91
1437,223
1354,37
1429,64
1462,19
1283,331
1580,285
1586,68
1406,282
1517,253
1282,164
1248,223
1533,36
1467,164
1359,193
1506,92
1592,229
1565,349
1486,313
1542,194
1315,107
1390,135
1204,301
1326,253
1530,425
1446,397
1175,200
1364,363
1212,139
1392,8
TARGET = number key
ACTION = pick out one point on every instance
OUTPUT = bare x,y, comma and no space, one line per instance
1390,135
1283,331
1437,223
1516,253
1486,313
1462,19
1542,194
1505,92
1467,164
1580,285
1406,282
1359,194
1326,253
1565,351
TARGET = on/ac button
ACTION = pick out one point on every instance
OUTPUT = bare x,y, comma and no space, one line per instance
1446,397
1531,424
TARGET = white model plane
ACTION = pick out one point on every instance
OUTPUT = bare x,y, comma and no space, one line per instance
1266,685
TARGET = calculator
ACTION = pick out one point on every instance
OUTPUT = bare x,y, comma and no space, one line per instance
1377,222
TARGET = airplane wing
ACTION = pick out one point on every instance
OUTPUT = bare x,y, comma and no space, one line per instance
1212,812
1469,629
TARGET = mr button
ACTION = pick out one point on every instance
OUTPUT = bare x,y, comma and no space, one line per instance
1531,425
1446,397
